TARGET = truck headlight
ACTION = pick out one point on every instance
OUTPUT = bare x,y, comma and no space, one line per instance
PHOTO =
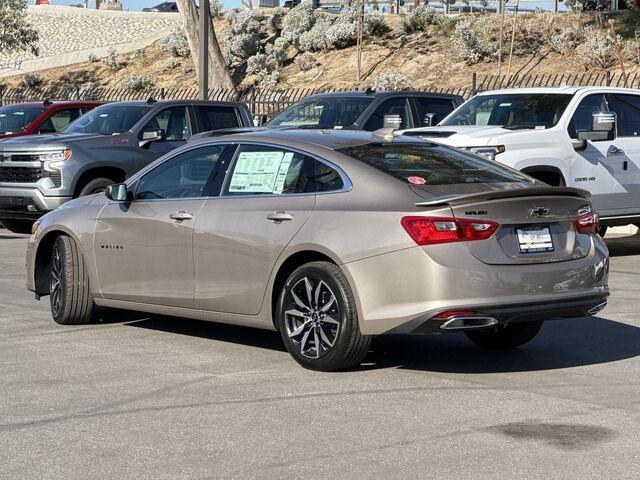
57,156
487,152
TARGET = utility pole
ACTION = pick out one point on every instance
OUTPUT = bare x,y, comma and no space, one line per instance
203,56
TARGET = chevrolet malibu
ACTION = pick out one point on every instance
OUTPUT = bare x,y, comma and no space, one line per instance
330,237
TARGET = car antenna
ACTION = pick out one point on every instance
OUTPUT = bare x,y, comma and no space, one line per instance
151,100
386,133
47,102
369,91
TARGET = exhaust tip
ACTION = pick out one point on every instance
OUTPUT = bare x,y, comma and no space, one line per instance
598,308
468,323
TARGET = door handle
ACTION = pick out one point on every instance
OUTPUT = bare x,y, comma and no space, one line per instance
180,216
279,217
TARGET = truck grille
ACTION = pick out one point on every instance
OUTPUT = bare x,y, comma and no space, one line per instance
20,174
19,157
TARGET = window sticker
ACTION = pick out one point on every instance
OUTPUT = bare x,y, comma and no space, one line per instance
260,172
417,180
505,105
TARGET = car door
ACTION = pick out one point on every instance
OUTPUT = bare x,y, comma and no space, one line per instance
144,248
176,126
240,234
627,109
598,168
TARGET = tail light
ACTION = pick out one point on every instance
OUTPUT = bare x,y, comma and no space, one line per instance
587,222
431,230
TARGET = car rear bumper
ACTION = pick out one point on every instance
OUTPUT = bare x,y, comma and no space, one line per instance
401,292
28,203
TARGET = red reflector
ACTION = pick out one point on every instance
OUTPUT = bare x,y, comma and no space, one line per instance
455,313
430,230
587,223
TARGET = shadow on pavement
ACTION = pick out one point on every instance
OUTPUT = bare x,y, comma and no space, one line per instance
560,344
623,246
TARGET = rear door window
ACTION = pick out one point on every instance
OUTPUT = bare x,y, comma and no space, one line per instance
394,106
438,107
215,118
325,178
430,164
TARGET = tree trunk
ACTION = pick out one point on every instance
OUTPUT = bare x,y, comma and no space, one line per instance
219,76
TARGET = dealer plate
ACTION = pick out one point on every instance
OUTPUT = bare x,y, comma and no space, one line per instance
534,240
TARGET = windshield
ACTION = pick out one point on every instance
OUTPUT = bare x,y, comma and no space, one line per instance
108,119
321,113
430,164
14,118
522,110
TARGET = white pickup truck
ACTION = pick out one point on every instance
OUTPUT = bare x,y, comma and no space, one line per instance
586,137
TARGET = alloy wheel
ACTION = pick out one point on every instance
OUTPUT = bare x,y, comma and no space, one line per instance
55,289
312,317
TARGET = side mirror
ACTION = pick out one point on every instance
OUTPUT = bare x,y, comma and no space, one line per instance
149,137
117,192
392,121
429,119
603,127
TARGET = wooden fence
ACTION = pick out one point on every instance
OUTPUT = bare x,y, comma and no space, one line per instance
267,101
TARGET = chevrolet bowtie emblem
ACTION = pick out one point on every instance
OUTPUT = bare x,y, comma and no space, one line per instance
539,212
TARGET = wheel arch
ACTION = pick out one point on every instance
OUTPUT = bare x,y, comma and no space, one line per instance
289,263
550,170
42,258
112,172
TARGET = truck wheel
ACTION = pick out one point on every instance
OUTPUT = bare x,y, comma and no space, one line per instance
17,226
96,185
505,336
69,293
317,319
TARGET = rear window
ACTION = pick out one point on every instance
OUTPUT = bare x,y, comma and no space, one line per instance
430,164
215,118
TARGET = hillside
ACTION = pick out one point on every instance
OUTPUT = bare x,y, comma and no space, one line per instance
440,51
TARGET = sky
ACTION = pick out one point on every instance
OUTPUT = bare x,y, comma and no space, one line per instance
133,4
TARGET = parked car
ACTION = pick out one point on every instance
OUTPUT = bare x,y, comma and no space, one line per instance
163,7
362,110
587,137
39,173
46,117
330,237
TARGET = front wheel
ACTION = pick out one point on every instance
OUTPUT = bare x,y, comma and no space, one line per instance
317,318
505,336
97,185
69,293
17,225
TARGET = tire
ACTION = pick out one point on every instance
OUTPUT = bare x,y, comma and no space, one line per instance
17,225
70,296
332,338
96,185
505,336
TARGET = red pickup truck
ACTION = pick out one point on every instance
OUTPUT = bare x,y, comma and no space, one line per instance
37,118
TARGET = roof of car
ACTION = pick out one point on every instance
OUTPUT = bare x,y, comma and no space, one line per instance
330,138
59,103
564,89
373,94
153,102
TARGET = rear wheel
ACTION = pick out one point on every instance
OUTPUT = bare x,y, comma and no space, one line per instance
505,336
17,225
317,318
69,294
96,185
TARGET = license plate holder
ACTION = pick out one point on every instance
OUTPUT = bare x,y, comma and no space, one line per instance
534,240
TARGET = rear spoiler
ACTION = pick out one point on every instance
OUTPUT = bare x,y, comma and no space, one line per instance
499,194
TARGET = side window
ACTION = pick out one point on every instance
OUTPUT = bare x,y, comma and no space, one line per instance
440,107
182,176
173,121
59,121
260,170
627,108
393,106
582,118
214,118
325,178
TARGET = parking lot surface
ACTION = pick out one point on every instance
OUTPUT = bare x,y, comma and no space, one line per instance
154,397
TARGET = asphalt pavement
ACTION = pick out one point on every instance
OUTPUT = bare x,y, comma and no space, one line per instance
138,397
